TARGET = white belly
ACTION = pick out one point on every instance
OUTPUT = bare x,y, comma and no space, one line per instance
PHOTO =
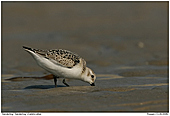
74,73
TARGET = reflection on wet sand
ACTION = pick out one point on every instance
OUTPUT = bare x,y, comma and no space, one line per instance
156,84
107,76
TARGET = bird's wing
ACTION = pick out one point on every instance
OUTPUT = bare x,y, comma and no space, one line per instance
60,57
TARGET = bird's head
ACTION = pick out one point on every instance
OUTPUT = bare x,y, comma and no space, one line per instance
89,76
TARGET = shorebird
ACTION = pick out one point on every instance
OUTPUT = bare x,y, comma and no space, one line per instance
63,64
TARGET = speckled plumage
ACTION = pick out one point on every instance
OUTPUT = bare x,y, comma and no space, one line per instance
62,57
63,63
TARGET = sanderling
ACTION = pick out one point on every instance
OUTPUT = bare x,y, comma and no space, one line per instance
63,64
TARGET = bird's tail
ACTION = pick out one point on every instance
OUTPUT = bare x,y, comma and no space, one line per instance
28,48
40,52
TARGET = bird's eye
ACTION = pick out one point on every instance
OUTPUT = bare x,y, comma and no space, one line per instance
92,76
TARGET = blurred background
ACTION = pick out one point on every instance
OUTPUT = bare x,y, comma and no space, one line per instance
108,35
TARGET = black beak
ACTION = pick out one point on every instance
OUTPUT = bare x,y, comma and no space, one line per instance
92,84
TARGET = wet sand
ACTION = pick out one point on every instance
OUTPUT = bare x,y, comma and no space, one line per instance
111,93
125,43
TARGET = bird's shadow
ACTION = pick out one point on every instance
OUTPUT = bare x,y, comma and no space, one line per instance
42,86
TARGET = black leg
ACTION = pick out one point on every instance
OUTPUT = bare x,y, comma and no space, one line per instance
64,81
55,80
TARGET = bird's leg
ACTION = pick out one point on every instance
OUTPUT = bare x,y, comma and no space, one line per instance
64,81
55,80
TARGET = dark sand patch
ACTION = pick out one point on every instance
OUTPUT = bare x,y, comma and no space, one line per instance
119,89
162,62
140,73
47,77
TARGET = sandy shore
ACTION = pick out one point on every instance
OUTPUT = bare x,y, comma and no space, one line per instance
111,93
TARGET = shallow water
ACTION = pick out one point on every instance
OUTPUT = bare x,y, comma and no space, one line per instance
124,43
